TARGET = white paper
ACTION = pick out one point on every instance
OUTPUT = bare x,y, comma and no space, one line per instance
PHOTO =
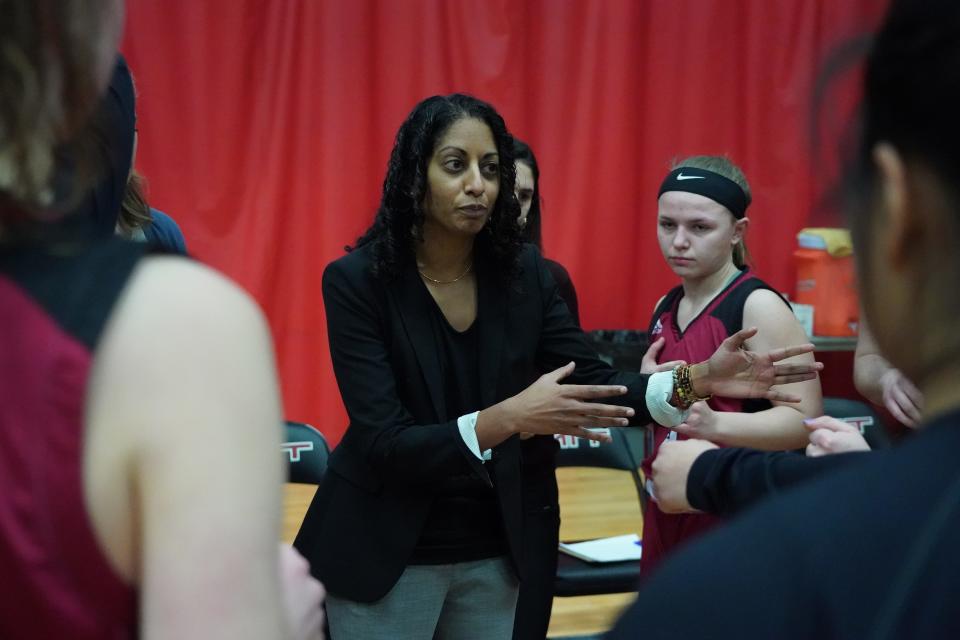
615,549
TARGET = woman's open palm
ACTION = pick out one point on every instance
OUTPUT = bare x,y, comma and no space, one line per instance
736,372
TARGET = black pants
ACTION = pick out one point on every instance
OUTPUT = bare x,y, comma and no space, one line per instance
541,534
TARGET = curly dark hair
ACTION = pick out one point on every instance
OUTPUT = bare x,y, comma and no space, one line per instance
532,230
399,220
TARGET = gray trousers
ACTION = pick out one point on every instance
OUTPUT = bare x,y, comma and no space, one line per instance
434,602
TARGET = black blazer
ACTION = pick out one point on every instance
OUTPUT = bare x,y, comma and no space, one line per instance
401,444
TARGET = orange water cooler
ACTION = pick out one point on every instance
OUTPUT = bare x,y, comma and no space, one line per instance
827,282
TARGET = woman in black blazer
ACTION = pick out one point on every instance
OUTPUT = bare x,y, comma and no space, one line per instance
448,339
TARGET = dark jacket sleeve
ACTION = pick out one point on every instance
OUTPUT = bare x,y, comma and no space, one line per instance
382,434
725,481
562,340
564,287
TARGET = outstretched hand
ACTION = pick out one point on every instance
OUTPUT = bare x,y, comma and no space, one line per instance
736,372
548,406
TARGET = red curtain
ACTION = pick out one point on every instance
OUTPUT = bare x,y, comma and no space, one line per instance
265,129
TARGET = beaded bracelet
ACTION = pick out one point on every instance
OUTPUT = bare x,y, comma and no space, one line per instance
683,387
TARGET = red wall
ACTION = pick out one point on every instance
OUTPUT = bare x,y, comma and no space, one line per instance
265,129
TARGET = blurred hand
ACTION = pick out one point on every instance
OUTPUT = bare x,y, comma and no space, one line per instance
302,596
671,468
701,422
735,372
901,398
649,362
830,435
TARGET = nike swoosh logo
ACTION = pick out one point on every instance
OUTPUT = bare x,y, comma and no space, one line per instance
680,176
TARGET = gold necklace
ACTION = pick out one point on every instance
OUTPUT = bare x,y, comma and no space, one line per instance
457,279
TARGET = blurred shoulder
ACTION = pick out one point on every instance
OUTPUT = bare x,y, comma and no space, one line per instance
181,335
175,309
168,285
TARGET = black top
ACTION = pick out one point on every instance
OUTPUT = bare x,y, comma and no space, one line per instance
867,551
76,283
459,365
726,481
464,521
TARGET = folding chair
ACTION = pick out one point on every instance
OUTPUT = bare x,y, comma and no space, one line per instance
576,577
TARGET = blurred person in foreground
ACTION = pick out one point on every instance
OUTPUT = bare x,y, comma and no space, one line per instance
139,478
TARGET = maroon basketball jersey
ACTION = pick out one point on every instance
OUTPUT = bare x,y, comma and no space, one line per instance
720,319
57,583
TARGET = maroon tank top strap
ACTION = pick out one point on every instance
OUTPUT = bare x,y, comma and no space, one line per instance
668,302
729,304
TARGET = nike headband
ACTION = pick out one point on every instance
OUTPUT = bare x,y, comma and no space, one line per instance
709,184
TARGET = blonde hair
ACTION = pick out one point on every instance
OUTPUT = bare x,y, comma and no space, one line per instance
723,166
48,88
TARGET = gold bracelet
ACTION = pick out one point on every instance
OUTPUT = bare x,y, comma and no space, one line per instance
678,388
683,386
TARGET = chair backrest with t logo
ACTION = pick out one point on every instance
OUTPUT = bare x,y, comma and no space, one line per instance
306,452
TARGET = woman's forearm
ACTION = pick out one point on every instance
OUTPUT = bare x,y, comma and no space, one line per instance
775,429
